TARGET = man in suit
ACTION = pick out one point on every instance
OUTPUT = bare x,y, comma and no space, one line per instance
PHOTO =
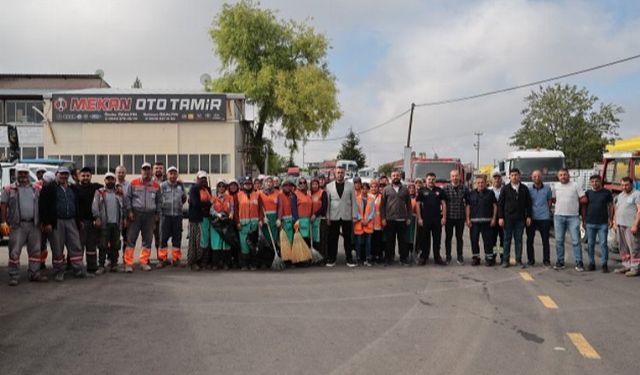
341,210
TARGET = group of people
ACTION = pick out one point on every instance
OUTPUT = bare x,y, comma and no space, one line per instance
94,222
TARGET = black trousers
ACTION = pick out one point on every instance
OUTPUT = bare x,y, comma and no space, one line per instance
458,225
484,229
334,236
543,226
89,237
109,244
377,245
498,232
431,237
396,230
171,227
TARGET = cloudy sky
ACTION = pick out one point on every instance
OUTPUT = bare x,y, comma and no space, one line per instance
385,55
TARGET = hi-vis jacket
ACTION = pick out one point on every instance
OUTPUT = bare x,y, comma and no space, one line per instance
13,203
377,221
99,206
305,204
222,205
143,197
364,220
248,206
172,198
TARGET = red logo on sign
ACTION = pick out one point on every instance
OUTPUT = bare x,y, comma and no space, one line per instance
60,104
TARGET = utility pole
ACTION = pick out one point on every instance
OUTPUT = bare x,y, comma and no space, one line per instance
477,147
407,150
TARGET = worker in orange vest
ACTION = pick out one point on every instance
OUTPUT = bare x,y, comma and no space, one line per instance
319,204
305,210
270,200
411,228
377,238
288,209
363,222
221,208
248,217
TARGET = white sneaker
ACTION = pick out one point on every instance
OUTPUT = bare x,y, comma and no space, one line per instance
145,267
330,264
128,269
352,265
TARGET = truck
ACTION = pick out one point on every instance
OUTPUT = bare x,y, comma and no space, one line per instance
618,164
441,167
350,167
548,162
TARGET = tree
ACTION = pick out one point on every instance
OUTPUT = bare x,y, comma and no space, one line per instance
561,117
385,169
351,151
280,66
137,84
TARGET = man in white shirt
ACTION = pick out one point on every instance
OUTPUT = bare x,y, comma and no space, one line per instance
568,197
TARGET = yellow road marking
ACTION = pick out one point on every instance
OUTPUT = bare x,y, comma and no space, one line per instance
583,345
548,302
526,276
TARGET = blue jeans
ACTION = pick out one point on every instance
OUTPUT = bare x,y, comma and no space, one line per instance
363,239
563,224
513,229
601,231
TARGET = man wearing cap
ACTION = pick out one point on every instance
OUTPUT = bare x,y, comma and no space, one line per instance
20,221
40,173
199,207
108,213
173,197
142,202
158,176
270,201
59,215
248,216
89,234
498,231
123,185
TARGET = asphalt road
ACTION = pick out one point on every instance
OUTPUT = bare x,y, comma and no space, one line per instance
396,320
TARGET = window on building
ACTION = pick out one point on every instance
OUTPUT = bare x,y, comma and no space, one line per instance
127,161
224,163
102,164
53,156
1,112
114,161
183,161
193,164
215,164
204,163
22,112
138,160
89,161
68,157
29,152
41,152
172,160
77,160
150,159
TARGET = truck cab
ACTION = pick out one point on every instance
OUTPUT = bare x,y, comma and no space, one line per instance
620,164
548,162
440,166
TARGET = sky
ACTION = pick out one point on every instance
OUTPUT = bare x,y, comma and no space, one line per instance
384,54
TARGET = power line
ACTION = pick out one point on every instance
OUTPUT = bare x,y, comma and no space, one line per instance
535,83
480,95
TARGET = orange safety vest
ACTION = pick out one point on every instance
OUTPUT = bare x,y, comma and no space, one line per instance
285,203
316,201
413,206
270,201
222,205
364,214
305,204
248,206
377,221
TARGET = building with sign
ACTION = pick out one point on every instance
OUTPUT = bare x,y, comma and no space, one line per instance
104,128
21,100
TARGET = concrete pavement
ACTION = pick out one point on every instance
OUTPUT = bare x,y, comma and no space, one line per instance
416,320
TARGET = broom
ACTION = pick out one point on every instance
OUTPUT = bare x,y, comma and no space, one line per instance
285,247
315,254
277,263
300,250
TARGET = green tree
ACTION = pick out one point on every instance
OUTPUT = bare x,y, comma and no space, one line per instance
280,66
561,117
385,169
351,150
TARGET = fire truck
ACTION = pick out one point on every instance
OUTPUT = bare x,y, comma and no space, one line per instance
441,167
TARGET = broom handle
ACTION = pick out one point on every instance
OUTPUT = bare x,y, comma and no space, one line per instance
415,236
271,237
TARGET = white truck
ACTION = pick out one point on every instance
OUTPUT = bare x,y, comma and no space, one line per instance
546,161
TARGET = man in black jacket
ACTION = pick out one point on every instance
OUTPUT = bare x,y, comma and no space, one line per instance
396,213
89,234
59,215
514,212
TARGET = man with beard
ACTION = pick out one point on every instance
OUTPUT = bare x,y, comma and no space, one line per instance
342,209
123,185
89,234
396,216
159,177
59,215
432,215
108,212
20,221
173,197
455,192
142,202
482,211
199,206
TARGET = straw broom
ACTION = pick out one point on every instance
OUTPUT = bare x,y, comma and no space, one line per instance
412,258
315,254
277,263
300,250
285,247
